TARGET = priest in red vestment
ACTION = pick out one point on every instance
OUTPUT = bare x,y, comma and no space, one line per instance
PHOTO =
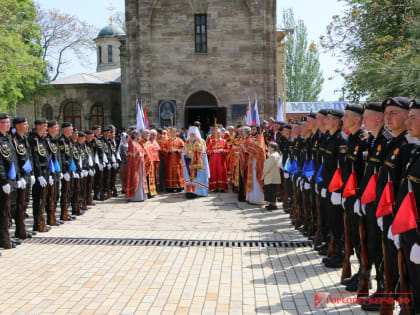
149,157
136,183
173,148
217,150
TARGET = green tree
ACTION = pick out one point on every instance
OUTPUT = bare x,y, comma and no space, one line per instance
303,75
21,66
379,42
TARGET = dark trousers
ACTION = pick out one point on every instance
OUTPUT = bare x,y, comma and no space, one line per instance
407,241
323,206
336,224
241,192
4,221
37,204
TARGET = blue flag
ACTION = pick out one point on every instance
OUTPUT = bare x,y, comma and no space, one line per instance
73,167
12,171
27,167
57,166
294,169
310,169
51,166
304,168
287,166
318,178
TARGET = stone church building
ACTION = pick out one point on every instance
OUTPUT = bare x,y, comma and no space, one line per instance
186,59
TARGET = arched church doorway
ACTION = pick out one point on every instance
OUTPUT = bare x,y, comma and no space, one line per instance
203,106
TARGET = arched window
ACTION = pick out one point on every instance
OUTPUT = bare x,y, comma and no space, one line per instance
47,112
72,113
97,115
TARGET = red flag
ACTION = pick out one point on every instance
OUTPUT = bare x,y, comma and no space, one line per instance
386,201
351,185
369,195
407,215
146,122
336,182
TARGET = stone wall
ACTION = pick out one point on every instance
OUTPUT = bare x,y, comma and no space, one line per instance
85,96
161,63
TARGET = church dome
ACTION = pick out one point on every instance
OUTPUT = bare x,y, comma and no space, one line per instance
111,30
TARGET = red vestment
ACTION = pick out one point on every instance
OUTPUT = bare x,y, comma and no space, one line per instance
174,176
135,160
218,166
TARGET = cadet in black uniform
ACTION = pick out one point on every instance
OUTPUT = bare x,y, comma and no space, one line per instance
410,240
334,158
100,163
66,153
8,177
107,163
357,148
41,169
115,161
53,195
24,168
84,159
373,120
76,174
395,160
91,171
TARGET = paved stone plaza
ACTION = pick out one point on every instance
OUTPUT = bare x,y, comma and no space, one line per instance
120,279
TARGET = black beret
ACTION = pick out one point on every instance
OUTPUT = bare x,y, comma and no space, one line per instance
336,112
287,126
415,104
323,112
19,120
279,122
297,123
354,108
3,116
66,124
399,101
95,127
312,115
106,129
40,121
89,132
75,129
376,106
52,123
81,134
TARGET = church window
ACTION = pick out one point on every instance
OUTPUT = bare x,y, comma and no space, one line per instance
200,24
100,54
109,53
47,112
97,115
72,113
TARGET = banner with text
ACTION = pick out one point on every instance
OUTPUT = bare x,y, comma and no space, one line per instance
307,107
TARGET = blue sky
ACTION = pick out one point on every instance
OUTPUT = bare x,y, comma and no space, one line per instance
316,15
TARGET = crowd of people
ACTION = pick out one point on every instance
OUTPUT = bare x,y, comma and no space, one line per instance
350,181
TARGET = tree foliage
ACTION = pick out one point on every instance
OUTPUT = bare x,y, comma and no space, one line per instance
61,35
21,66
303,75
379,41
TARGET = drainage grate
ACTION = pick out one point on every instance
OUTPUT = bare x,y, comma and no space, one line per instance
165,242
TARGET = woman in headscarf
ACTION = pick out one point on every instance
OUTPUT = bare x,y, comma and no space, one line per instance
195,165
136,189
123,151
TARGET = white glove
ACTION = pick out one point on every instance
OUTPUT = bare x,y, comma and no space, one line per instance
301,185
32,180
66,177
42,181
357,208
316,189
343,200
101,167
51,180
307,186
286,175
309,178
336,199
297,181
415,254
109,166
115,165
82,174
394,238
364,209
21,183
6,189
324,192
75,175
380,222
91,173
61,175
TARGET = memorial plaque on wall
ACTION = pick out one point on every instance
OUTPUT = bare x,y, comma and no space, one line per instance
167,109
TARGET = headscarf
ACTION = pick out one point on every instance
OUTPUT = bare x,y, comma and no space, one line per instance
123,142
